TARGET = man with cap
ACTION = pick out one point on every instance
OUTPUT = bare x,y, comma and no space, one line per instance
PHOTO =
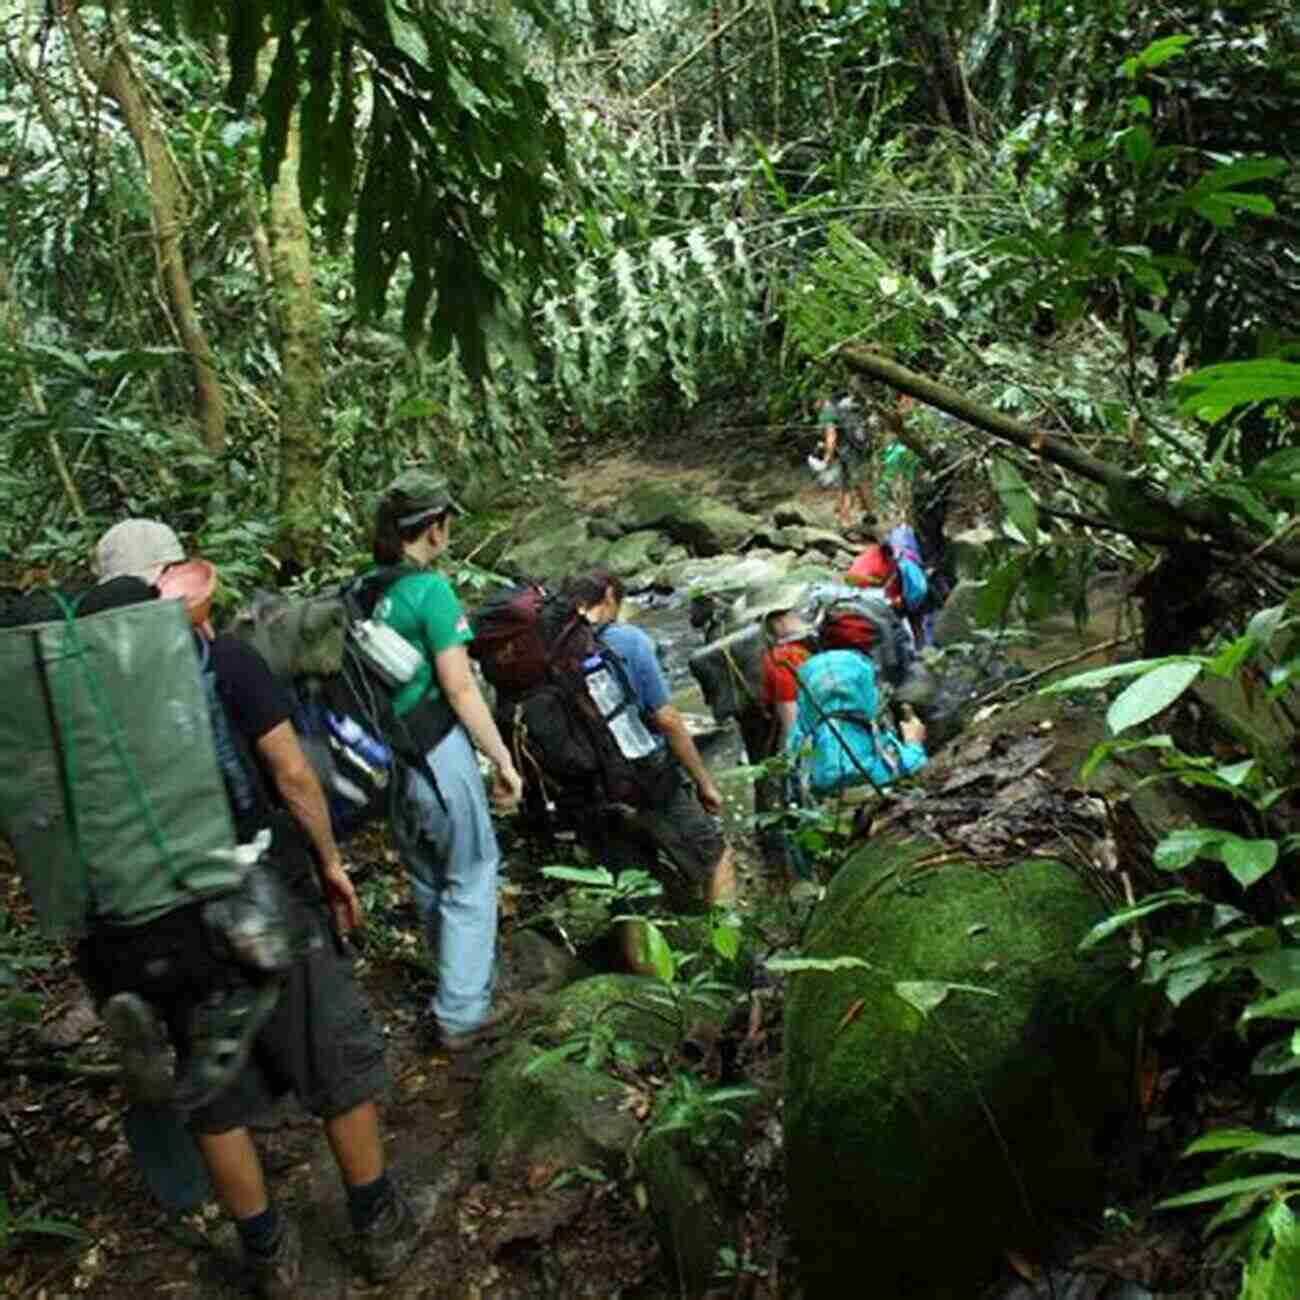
321,1040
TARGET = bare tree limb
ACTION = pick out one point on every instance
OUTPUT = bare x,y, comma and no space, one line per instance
1119,484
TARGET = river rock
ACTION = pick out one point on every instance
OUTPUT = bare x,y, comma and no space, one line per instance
955,622
969,550
803,514
725,573
556,552
635,551
707,526
900,1121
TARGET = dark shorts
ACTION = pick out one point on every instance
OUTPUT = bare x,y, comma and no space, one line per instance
679,828
323,1042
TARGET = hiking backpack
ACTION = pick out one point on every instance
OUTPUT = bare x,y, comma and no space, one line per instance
112,796
852,420
342,671
545,660
911,569
859,621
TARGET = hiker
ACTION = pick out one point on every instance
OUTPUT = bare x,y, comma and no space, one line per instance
684,824
913,586
443,826
837,741
874,566
321,1040
931,495
790,642
844,443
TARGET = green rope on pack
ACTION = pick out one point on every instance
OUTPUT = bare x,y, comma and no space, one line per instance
74,651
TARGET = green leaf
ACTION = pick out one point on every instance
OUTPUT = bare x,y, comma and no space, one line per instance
1000,588
657,951
1232,383
1249,860
1272,1269
580,875
726,941
1228,1139
1219,1191
1017,500
1138,145
1150,694
796,965
1095,677
1152,903
926,995
1278,1058
1100,753
1181,847
1285,1006
1183,983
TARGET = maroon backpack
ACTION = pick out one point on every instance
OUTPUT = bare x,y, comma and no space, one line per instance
522,632
532,647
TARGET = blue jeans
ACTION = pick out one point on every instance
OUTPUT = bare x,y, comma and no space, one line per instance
452,858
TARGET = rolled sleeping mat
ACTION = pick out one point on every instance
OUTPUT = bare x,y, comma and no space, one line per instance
730,672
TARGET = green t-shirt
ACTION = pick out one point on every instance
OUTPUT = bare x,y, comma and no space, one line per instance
423,608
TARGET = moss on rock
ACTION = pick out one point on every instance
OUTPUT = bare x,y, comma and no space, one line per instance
914,1141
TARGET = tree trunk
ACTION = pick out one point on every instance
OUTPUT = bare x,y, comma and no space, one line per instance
116,76
303,446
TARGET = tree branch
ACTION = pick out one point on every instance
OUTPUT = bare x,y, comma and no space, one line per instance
1203,517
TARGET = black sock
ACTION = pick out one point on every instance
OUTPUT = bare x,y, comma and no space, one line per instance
365,1201
260,1232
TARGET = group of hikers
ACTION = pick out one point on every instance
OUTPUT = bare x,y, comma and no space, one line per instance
222,999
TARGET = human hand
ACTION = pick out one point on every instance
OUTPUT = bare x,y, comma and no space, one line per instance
710,795
507,787
912,729
341,896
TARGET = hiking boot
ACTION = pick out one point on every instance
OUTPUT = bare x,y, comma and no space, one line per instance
387,1243
275,1276
499,1019
141,1040
223,1028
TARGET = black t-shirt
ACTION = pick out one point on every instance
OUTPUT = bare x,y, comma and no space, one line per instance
255,703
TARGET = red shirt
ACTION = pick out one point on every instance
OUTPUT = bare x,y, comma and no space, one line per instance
873,569
780,664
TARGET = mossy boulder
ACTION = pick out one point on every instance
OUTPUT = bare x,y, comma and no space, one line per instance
556,1118
637,551
694,1217
564,1114
707,526
555,552
916,1139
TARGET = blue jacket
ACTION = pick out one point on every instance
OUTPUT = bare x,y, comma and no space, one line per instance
835,743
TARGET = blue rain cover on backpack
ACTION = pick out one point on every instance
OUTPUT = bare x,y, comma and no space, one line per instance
911,571
836,743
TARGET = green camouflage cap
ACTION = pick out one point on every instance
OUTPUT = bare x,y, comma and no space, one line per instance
428,494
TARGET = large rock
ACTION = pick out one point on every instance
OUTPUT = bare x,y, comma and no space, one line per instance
724,573
556,552
955,622
708,527
635,552
915,1140
563,1114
